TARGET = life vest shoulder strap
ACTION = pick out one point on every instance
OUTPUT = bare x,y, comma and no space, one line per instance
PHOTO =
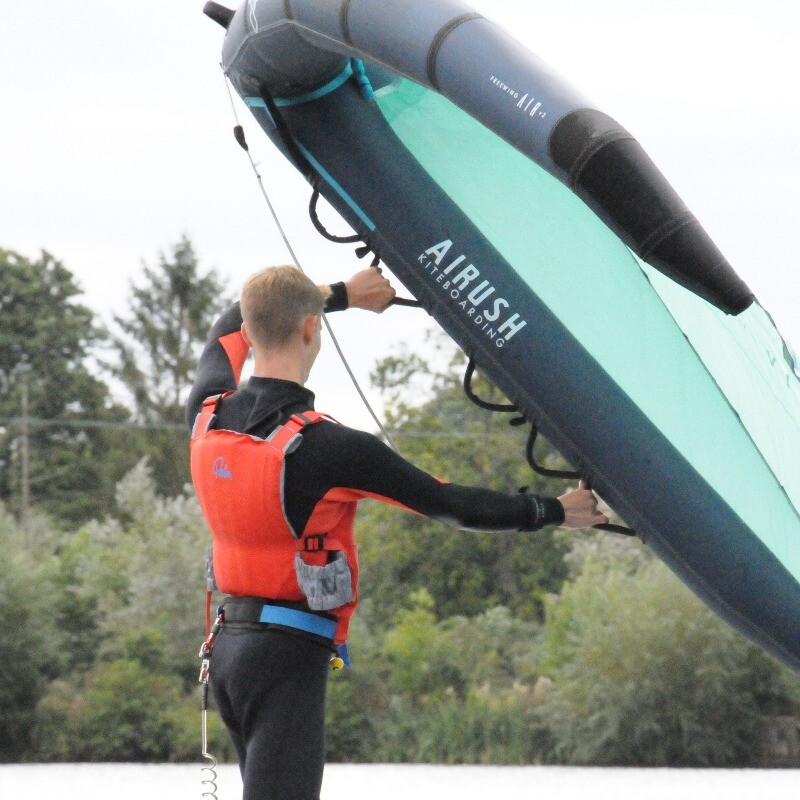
205,418
287,438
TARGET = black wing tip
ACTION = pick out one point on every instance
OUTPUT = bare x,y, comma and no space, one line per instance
219,13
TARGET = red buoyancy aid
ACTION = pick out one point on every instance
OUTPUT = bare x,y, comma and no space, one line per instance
239,482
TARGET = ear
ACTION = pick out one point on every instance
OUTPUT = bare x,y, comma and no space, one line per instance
309,328
246,336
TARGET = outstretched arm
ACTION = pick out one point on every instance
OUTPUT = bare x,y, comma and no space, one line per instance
365,467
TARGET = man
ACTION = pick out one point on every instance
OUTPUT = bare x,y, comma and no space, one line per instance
279,485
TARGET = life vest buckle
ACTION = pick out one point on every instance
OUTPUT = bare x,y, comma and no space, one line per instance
313,543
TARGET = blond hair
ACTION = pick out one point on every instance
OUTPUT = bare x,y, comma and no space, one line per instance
275,301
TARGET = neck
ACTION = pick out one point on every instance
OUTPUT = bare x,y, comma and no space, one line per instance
287,367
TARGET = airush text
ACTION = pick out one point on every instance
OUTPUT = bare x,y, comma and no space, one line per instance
475,296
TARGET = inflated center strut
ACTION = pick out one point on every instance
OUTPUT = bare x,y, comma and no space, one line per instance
311,175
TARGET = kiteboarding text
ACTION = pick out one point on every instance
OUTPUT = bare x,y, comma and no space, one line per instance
481,305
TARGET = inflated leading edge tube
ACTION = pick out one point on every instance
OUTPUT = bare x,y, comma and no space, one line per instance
291,50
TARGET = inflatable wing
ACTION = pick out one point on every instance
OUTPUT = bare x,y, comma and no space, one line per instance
541,237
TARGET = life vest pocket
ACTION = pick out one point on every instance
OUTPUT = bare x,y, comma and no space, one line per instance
325,587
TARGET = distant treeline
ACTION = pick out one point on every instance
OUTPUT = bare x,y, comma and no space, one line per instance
552,647
65,438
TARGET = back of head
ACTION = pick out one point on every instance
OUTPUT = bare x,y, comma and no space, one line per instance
274,303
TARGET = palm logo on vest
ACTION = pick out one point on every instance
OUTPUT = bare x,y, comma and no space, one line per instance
220,468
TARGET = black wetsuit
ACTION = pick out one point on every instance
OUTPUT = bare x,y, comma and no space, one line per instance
269,685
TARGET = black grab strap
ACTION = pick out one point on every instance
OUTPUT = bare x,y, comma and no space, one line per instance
310,174
404,301
331,237
564,474
503,408
532,436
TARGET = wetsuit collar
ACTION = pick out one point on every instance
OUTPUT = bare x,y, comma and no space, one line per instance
272,395
278,388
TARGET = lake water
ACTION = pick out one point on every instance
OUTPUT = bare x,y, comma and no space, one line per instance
401,782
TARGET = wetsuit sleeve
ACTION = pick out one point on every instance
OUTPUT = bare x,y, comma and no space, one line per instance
337,299
220,365
221,362
368,468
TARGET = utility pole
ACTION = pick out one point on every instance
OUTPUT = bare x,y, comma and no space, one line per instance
25,478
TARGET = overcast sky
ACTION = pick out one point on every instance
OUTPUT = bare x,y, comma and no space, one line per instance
116,141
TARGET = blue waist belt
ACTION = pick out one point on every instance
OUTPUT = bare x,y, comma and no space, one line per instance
301,620
251,609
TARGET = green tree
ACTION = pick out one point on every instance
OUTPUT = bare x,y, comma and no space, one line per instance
125,595
123,715
433,658
169,317
76,604
46,338
356,699
170,538
157,347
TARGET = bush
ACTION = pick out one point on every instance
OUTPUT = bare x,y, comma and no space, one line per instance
28,642
356,699
645,674
451,691
488,726
122,712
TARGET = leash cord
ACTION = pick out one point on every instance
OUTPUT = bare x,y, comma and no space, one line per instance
209,769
